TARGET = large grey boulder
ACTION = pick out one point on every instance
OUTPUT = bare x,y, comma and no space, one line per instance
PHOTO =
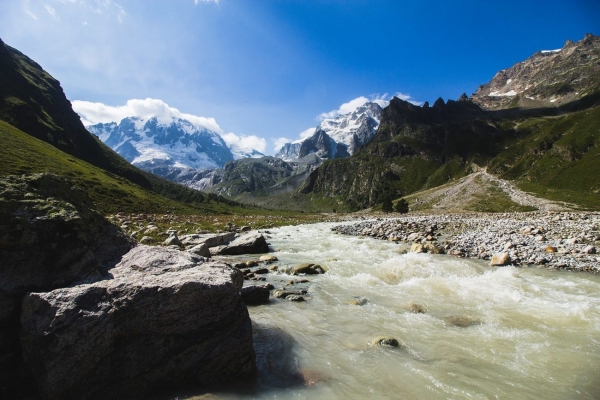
50,237
248,243
167,319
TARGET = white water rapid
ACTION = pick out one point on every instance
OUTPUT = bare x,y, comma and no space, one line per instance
486,333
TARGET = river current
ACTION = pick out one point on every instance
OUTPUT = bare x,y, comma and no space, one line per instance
484,333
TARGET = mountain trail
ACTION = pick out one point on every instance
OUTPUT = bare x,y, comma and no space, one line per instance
480,186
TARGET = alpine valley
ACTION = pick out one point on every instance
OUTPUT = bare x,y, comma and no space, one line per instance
133,265
534,124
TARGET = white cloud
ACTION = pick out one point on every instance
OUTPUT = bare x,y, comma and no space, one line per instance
383,100
206,1
51,11
244,144
94,113
305,134
279,142
344,108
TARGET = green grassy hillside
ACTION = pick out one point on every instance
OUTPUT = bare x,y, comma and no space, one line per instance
23,154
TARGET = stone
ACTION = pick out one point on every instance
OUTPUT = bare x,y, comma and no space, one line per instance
309,269
201,250
551,249
500,259
589,250
282,294
295,298
417,248
385,341
358,302
433,248
249,243
261,271
254,295
268,258
462,321
167,318
251,263
146,240
416,308
173,240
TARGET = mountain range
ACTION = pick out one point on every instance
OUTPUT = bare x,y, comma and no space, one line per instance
535,123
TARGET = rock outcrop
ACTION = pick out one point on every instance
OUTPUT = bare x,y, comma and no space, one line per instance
166,318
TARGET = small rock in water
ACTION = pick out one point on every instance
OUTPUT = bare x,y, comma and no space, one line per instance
253,295
309,269
268,258
462,321
416,308
417,248
294,297
500,259
358,302
385,341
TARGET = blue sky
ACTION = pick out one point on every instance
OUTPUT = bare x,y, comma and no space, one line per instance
265,70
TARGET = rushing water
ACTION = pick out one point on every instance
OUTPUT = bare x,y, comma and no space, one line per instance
523,333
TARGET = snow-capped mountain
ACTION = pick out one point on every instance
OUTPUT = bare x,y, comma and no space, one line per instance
289,151
339,136
173,142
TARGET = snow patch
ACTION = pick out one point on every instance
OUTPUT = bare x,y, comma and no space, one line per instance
551,51
498,94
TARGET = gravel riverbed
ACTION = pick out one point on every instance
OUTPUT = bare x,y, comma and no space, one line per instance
554,240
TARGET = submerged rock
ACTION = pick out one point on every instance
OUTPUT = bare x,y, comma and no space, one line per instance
385,341
309,269
167,318
462,321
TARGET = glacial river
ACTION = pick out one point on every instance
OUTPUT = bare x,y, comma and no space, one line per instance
485,333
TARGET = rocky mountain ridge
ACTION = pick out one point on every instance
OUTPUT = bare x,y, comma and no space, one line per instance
548,78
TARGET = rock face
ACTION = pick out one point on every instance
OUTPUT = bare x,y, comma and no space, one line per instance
167,318
546,79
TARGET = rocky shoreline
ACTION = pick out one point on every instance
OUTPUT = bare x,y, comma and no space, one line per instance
553,240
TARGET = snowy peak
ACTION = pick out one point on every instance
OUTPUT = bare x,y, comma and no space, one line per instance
547,78
339,136
169,141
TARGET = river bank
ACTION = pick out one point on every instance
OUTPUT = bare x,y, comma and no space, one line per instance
553,240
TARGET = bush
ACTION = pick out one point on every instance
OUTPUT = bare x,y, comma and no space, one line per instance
387,205
401,206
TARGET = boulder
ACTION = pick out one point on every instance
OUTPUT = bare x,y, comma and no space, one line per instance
50,237
166,319
253,295
249,243
173,240
500,259
309,269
